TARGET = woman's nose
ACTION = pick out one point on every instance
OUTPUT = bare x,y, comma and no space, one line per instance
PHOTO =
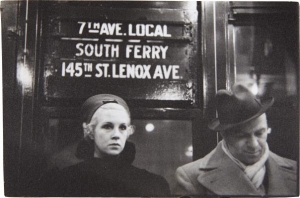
116,133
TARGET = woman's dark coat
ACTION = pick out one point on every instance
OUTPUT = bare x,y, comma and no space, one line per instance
109,177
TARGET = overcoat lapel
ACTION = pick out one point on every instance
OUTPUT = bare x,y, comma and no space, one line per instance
280,179
223,177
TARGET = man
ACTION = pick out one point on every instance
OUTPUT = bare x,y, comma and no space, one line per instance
241,164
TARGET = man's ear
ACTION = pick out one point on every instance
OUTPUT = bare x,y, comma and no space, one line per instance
88,131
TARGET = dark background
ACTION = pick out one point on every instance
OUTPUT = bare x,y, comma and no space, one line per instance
253,43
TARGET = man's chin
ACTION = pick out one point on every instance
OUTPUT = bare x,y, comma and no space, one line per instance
251,161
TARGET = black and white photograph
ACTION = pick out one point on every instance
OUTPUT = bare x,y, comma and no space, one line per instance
150,98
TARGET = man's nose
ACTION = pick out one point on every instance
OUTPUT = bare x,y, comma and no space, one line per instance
116,133
252,142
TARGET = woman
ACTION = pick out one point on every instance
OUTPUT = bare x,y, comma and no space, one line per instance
106,169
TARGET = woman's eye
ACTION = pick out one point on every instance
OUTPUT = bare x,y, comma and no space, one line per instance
107,126
123,127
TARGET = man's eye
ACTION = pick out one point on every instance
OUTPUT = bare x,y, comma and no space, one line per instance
261,132
258,134
239,134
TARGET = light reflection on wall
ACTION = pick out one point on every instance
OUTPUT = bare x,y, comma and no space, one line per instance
171,91
254,88
149,127
164,149
189,151
263,61
24,76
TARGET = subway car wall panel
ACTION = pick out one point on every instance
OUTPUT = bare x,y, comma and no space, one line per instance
168,61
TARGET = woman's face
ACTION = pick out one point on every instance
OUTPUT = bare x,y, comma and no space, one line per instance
111,130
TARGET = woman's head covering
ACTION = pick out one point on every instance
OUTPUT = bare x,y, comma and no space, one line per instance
91,105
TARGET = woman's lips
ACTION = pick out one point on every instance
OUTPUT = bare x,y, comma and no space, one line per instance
114,144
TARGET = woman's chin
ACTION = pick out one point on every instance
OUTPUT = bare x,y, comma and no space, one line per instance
114,152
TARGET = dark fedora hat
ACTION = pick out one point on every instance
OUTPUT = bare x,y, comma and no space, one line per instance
237,107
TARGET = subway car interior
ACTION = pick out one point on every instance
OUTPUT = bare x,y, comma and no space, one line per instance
166,59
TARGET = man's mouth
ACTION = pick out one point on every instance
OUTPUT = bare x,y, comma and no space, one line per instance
254,153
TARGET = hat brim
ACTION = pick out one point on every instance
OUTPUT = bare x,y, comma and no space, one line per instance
215,125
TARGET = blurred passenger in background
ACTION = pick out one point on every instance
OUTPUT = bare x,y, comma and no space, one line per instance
241,164
106,169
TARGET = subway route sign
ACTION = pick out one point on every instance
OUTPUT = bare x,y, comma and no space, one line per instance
149,54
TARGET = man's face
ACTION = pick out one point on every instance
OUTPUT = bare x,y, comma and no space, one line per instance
247,142
111,131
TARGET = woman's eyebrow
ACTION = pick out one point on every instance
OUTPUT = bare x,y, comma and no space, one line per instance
124,123
107,122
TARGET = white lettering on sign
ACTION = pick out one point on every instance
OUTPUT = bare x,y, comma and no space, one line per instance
88,67
101,72
164,72
115,29
101,28
146,51
148,30
112,48
72,69
113,70
131,71
98,50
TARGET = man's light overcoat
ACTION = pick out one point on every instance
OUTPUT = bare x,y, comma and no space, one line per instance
217,174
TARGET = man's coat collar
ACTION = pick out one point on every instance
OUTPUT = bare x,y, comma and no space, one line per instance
222,176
